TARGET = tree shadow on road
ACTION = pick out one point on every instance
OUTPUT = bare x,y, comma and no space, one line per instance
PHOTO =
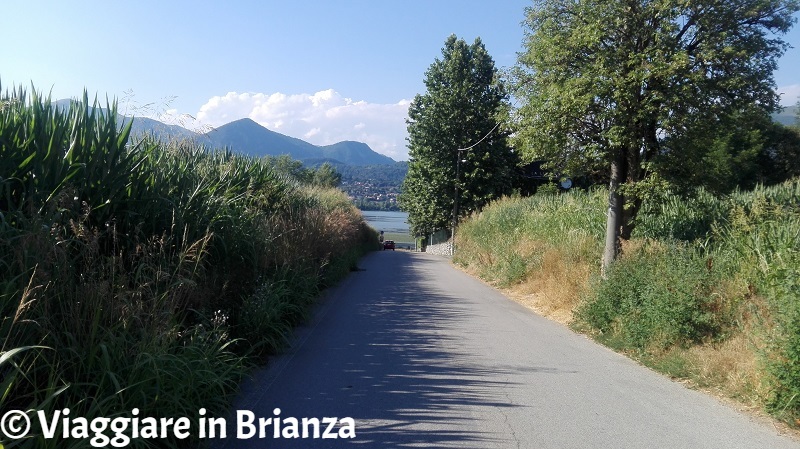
388,357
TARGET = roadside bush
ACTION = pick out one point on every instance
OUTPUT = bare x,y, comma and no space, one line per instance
268,314
656,296
783,358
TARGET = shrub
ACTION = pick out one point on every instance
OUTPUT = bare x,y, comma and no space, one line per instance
762,233
656,296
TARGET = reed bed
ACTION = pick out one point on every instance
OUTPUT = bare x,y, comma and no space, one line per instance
149,275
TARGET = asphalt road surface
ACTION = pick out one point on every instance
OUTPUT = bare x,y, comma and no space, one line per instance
420,354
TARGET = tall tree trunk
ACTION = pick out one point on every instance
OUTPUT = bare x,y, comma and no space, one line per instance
614,218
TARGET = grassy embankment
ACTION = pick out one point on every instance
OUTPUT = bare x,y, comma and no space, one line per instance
148,275
706,290
399,237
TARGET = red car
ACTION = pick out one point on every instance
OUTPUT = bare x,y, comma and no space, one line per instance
388,244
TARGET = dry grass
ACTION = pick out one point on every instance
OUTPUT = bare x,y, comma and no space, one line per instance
731,372
555,289
554,282
730,368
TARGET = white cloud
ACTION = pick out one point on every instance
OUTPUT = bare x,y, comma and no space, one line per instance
322,118
311,133
790,94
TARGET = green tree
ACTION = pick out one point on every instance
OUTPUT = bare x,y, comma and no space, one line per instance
459,157
782,152
744,149
285,165
797,116
326,176
605,82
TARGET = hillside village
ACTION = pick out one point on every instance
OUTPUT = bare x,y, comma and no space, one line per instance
367,195
373,187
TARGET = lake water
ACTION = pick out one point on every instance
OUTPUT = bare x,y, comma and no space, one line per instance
387,221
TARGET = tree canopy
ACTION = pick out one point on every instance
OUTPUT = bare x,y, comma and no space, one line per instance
744,149
454,139
606,83
325,175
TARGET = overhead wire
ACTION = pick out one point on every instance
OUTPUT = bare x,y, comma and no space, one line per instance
482,139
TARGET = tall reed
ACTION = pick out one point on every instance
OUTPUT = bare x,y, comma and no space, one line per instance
149,275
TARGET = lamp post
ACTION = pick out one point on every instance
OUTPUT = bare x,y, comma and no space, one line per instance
455,202
455,198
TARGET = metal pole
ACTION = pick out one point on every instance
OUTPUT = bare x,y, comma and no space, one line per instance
455,204
455,200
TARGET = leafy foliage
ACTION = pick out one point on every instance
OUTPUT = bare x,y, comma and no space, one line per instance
741,150
673,217
462,105
654,298
605,82
761,233
325,175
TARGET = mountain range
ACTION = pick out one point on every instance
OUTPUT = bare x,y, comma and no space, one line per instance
248,137
787,117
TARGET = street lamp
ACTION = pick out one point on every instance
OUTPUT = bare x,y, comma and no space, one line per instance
455,201
455,198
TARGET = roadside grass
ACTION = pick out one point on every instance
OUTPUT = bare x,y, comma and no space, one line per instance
398,237
706,290
541,249
149,275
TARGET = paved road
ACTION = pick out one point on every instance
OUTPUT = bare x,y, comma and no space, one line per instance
422,355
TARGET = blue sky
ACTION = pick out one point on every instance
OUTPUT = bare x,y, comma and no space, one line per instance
322,71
